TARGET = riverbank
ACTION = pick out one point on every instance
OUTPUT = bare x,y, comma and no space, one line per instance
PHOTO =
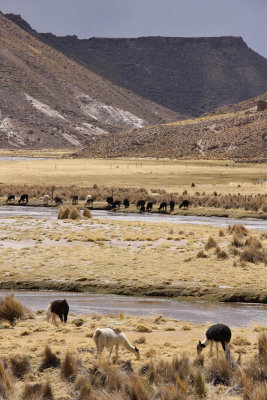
133,258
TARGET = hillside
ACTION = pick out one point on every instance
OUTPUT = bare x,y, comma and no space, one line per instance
48,100
237,132
188,75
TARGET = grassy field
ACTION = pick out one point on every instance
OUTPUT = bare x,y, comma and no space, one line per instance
222,176
128,258
168,360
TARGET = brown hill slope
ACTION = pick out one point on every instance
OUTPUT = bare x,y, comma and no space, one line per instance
48,100
188,75
238,132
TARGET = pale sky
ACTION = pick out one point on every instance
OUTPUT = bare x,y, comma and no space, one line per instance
134,18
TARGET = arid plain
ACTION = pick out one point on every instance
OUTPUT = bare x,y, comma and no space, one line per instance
189,262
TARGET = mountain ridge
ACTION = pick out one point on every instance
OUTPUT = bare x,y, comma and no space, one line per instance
49,100
188,75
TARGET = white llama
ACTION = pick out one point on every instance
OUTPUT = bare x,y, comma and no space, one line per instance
109,338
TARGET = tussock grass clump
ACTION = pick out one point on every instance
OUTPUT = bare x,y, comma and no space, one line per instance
221,233
11,309
238,229
37,391
210,243
236,242
20,365
219,372
63,212
143,329
68,368
5,383
252,241
74,213
201,254
262,343
222,255
253,255
50,360
200,390
87,213
84,386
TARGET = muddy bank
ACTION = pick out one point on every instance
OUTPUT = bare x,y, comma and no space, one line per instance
182,292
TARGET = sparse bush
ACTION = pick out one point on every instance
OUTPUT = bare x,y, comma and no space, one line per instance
253,242
238,229
87,213
140,340
210,243
200,390
236,242
68,369
20,365
221,233
84,386
11,309
262,343
252,255
219,372
201,254
50,360
63,212
74,213
5,383
143,329
222,255
37,391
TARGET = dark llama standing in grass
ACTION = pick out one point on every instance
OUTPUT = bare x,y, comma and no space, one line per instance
218,333
75,199
10,198
163,206
126,203
58,308
140,203
184,204
58,200
149,206
24,198
172,205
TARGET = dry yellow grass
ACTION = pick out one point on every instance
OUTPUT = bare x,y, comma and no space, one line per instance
208,176
160,345
129,256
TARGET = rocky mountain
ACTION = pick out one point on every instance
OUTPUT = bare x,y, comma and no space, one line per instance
188,75
235,132
48,100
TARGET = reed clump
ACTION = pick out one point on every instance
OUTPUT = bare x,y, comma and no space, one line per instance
20,365
63,212
68,369
11,309
74,213
87,213
50,360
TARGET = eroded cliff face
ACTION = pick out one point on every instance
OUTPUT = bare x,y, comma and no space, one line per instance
187,75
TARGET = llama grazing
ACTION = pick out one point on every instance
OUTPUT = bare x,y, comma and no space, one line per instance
46,200
163,206
10,198
172,205
110,200
58,200
126,203
184,204
149,206
218,333
89,201
116,204
140,203
58,308
75,199
109,338
24,198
